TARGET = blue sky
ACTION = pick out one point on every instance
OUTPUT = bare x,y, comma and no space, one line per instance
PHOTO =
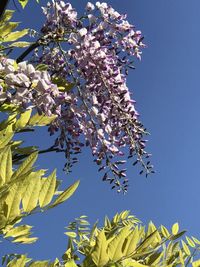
166,87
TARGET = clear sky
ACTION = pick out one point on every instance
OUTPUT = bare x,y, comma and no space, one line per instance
166,86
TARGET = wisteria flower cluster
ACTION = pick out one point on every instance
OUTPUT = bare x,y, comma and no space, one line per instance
94,53
28,87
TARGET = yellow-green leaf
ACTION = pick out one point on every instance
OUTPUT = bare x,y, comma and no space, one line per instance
23,3
131,242
7,15
30,198
21,262
25,240
12,202
21,44
164,231
13,36
65,195
5,165
41,120
196,240
5,138
71,234
190,242
6,29
99,254
175,229
196,263
47,190
23,120
132,263
147,241
18,231
116,244
70,263
25,166
185,248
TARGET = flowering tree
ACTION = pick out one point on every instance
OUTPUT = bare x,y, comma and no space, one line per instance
75,83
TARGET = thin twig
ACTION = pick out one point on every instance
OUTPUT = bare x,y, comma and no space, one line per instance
27,51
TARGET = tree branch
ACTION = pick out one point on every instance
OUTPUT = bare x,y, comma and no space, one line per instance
27,51
3,6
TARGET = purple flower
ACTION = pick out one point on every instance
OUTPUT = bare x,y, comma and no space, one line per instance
94,53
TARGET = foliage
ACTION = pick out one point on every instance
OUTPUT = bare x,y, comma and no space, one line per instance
122,242
24,190
9,37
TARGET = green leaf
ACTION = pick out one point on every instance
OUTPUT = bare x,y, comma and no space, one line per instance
116,244
131,242
23,3
71,234
7,15
65,195
5,138
23,120
6,29
19,231
20,262
177,236
25,167
132,263
12,203
185,248
196,240
175,229
20,44
196,263
47,190
25,240
41,120
99,254
147,241
5,165
190,242
164,231
39,264
70,263
30,198
13,36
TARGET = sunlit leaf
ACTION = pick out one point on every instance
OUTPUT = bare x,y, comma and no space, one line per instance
6,29
99,254
116,245
5,165
47,190
25,166
185,248
7,15
41,120
30,198
19,262
175,229
23,3
65,195
13,36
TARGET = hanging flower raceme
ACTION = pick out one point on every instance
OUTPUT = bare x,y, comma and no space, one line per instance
28,87
94,53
